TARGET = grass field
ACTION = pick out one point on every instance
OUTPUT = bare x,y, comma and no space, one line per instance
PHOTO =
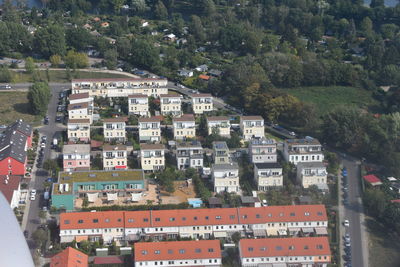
14,105
383,245
61,76
327,98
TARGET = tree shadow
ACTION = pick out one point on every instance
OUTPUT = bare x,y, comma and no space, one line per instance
23,108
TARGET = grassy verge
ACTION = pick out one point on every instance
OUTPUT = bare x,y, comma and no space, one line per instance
327,98
383,245
62,76
14,105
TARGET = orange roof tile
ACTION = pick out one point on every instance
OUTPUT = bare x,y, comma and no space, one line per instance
275,247
117,119
69,257
204,77
177,250
245,118
78,96
86,220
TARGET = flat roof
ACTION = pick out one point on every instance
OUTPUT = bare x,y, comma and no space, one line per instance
127,79
185,117
268,165
303,141
78,96
83,121
151,146
218,118
76,148
78,106
137,96
200,95
251,118
118,119
107,147
227,166
151,119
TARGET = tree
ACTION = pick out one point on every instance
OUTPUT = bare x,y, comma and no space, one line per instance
40,237
139,6
160,11
39,97
76,60
110,57
144,54
78,38
5,75
55,61
51,165
29,65
197,29
50,40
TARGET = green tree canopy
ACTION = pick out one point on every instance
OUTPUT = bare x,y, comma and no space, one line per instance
50,40
39,96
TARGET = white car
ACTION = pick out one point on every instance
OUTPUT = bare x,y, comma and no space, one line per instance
33,197
43,145
33,192
346,223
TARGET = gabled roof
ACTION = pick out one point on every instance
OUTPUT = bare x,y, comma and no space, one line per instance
303,141
302,165
276,247
137,96
218,118
69,257
251,118
151,119
268,165
225,167
8,188
372,179
20,126
170,96
118,119
12,144
108,147
78,96
200,95
78,106
185,117
87,220
151,146
177,250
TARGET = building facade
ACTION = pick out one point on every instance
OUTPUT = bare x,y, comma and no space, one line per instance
312,173
178,253
76,157
150,129
302,150
299,252
120,87
220,124
220,152
189,155
80,111
262,150
225,177
129,226
152,157
252,126
184,127
114,129
202,103
78,130
171,104
115,157
138,105
268,175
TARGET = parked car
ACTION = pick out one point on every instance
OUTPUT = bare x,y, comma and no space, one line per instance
346,223
33,192
33,197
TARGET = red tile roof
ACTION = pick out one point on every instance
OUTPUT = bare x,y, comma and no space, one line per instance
185,117
372,179
275,247
95,143
192,217
247,118
69,257
78,96
109,260
204,77
395,200
151,146
8,188
127,79
118,119
177,250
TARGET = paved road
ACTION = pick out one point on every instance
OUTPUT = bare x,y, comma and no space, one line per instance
32,221
354,212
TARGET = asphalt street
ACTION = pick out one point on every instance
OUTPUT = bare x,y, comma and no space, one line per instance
39,175
353,211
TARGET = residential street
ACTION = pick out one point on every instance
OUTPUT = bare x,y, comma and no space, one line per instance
353,212
31,218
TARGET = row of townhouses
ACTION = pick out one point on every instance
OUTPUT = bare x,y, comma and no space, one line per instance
126,226
299,251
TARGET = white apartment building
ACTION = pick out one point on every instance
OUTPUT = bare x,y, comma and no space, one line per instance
114,129
184,127
178,253
152,157
226,177
76,157
80,98
150,129
123,226
312,173
189,155
220,152
302,150
115,157
120,87
220,124
80,111
252,126
262,150
298,251
138,105
78,130
202,103
171,104
268,175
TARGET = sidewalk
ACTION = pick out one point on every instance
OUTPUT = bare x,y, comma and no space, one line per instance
341,217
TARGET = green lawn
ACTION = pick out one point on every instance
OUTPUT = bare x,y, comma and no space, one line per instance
61,76
384,246
327,98
14,105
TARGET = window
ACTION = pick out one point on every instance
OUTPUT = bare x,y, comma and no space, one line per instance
145,219
218,217
263,249
232,217
306,213
80,221
66,222
195,218
130,220
169,251
171,219
292,214
319,246
206,217
181,251
210,250
144,252
278,248
156,252
107,220
291,247
183,218
305,247
250,248
197,250
95,220
258,216
319,213
158,219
